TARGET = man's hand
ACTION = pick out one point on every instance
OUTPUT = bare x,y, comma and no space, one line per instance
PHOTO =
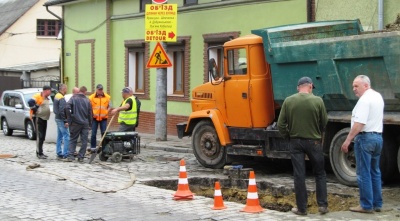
66,125
35,108
345,146
114,111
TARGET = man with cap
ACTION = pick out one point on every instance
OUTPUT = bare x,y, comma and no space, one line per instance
101,104
302,119
127,111
40,113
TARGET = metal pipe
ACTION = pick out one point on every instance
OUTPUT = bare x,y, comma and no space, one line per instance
380,14
61,62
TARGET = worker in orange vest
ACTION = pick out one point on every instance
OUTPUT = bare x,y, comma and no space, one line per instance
101,104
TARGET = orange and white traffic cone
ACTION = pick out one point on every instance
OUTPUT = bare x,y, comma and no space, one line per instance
218,200
252,204
183,192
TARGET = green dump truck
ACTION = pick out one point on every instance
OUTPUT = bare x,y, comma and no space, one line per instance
235,113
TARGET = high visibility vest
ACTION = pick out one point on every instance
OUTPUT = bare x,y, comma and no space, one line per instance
100,106
128,117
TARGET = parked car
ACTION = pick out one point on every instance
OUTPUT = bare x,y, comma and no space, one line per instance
14,111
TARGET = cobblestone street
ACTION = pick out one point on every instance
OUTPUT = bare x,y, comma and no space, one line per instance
107,191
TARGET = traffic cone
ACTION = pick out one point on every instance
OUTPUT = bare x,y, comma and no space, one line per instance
252,204
183,192
218,200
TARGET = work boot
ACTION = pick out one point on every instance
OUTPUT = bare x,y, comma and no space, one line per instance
359,209
68,159
80,160
323,210
297,212
42,157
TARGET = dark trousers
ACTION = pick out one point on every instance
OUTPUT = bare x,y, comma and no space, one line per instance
298,149
75,131
95,125
126,128
41,128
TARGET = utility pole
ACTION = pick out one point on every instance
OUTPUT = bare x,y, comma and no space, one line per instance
161,103
156,14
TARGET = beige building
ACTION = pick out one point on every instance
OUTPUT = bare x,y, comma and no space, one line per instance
29,48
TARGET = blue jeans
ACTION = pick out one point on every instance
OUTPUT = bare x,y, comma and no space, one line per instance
95,125
62,135
367,149
313,149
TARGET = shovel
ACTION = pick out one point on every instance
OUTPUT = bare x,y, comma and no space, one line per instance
98,149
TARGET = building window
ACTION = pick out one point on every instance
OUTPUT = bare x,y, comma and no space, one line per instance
143,4
178,76
137,75
179,68
136,69
218,54
190,2
48,28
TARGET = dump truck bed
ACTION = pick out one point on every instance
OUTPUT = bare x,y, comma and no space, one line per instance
333,53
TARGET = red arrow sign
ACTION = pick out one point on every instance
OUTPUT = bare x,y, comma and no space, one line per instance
171,35
159,1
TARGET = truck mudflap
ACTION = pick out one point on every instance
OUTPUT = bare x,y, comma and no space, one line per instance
181,128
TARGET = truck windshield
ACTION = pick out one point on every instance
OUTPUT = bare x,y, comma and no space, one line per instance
237,61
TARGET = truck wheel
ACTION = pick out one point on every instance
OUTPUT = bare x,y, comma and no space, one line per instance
6,130
206,146
388,161
343,164
398,159
30,131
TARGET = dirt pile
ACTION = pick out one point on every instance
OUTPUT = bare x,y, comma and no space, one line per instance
395,26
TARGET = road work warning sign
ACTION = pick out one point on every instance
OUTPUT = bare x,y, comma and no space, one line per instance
160,22
159,59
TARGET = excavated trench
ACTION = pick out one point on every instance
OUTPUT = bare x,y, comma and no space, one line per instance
271,196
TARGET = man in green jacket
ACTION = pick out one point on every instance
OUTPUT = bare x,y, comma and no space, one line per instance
302,120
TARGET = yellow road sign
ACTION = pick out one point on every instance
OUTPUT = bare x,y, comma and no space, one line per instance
159,59
160,22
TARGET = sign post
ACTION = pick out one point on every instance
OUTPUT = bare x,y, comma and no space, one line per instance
160,23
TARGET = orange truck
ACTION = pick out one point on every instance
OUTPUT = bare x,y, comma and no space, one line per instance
235,112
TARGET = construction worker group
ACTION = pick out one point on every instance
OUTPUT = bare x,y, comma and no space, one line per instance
77,114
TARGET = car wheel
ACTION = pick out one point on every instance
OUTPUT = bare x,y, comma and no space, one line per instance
30,131
6,130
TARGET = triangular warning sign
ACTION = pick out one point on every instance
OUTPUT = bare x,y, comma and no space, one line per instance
159,59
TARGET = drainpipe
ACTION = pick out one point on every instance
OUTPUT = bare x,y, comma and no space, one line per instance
380,14
62,44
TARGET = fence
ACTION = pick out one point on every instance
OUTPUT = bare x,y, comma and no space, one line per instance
39,84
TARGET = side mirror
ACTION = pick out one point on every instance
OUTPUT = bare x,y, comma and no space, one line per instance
18,106
213,69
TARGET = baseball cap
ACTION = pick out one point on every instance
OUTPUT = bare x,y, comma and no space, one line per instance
46,87
305,80
126,90
99,86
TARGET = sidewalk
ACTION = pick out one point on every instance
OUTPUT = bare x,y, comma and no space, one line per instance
173,143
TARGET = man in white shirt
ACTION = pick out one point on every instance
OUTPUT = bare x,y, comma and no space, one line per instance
366,130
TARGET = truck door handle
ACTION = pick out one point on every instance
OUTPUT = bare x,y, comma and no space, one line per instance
244,95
